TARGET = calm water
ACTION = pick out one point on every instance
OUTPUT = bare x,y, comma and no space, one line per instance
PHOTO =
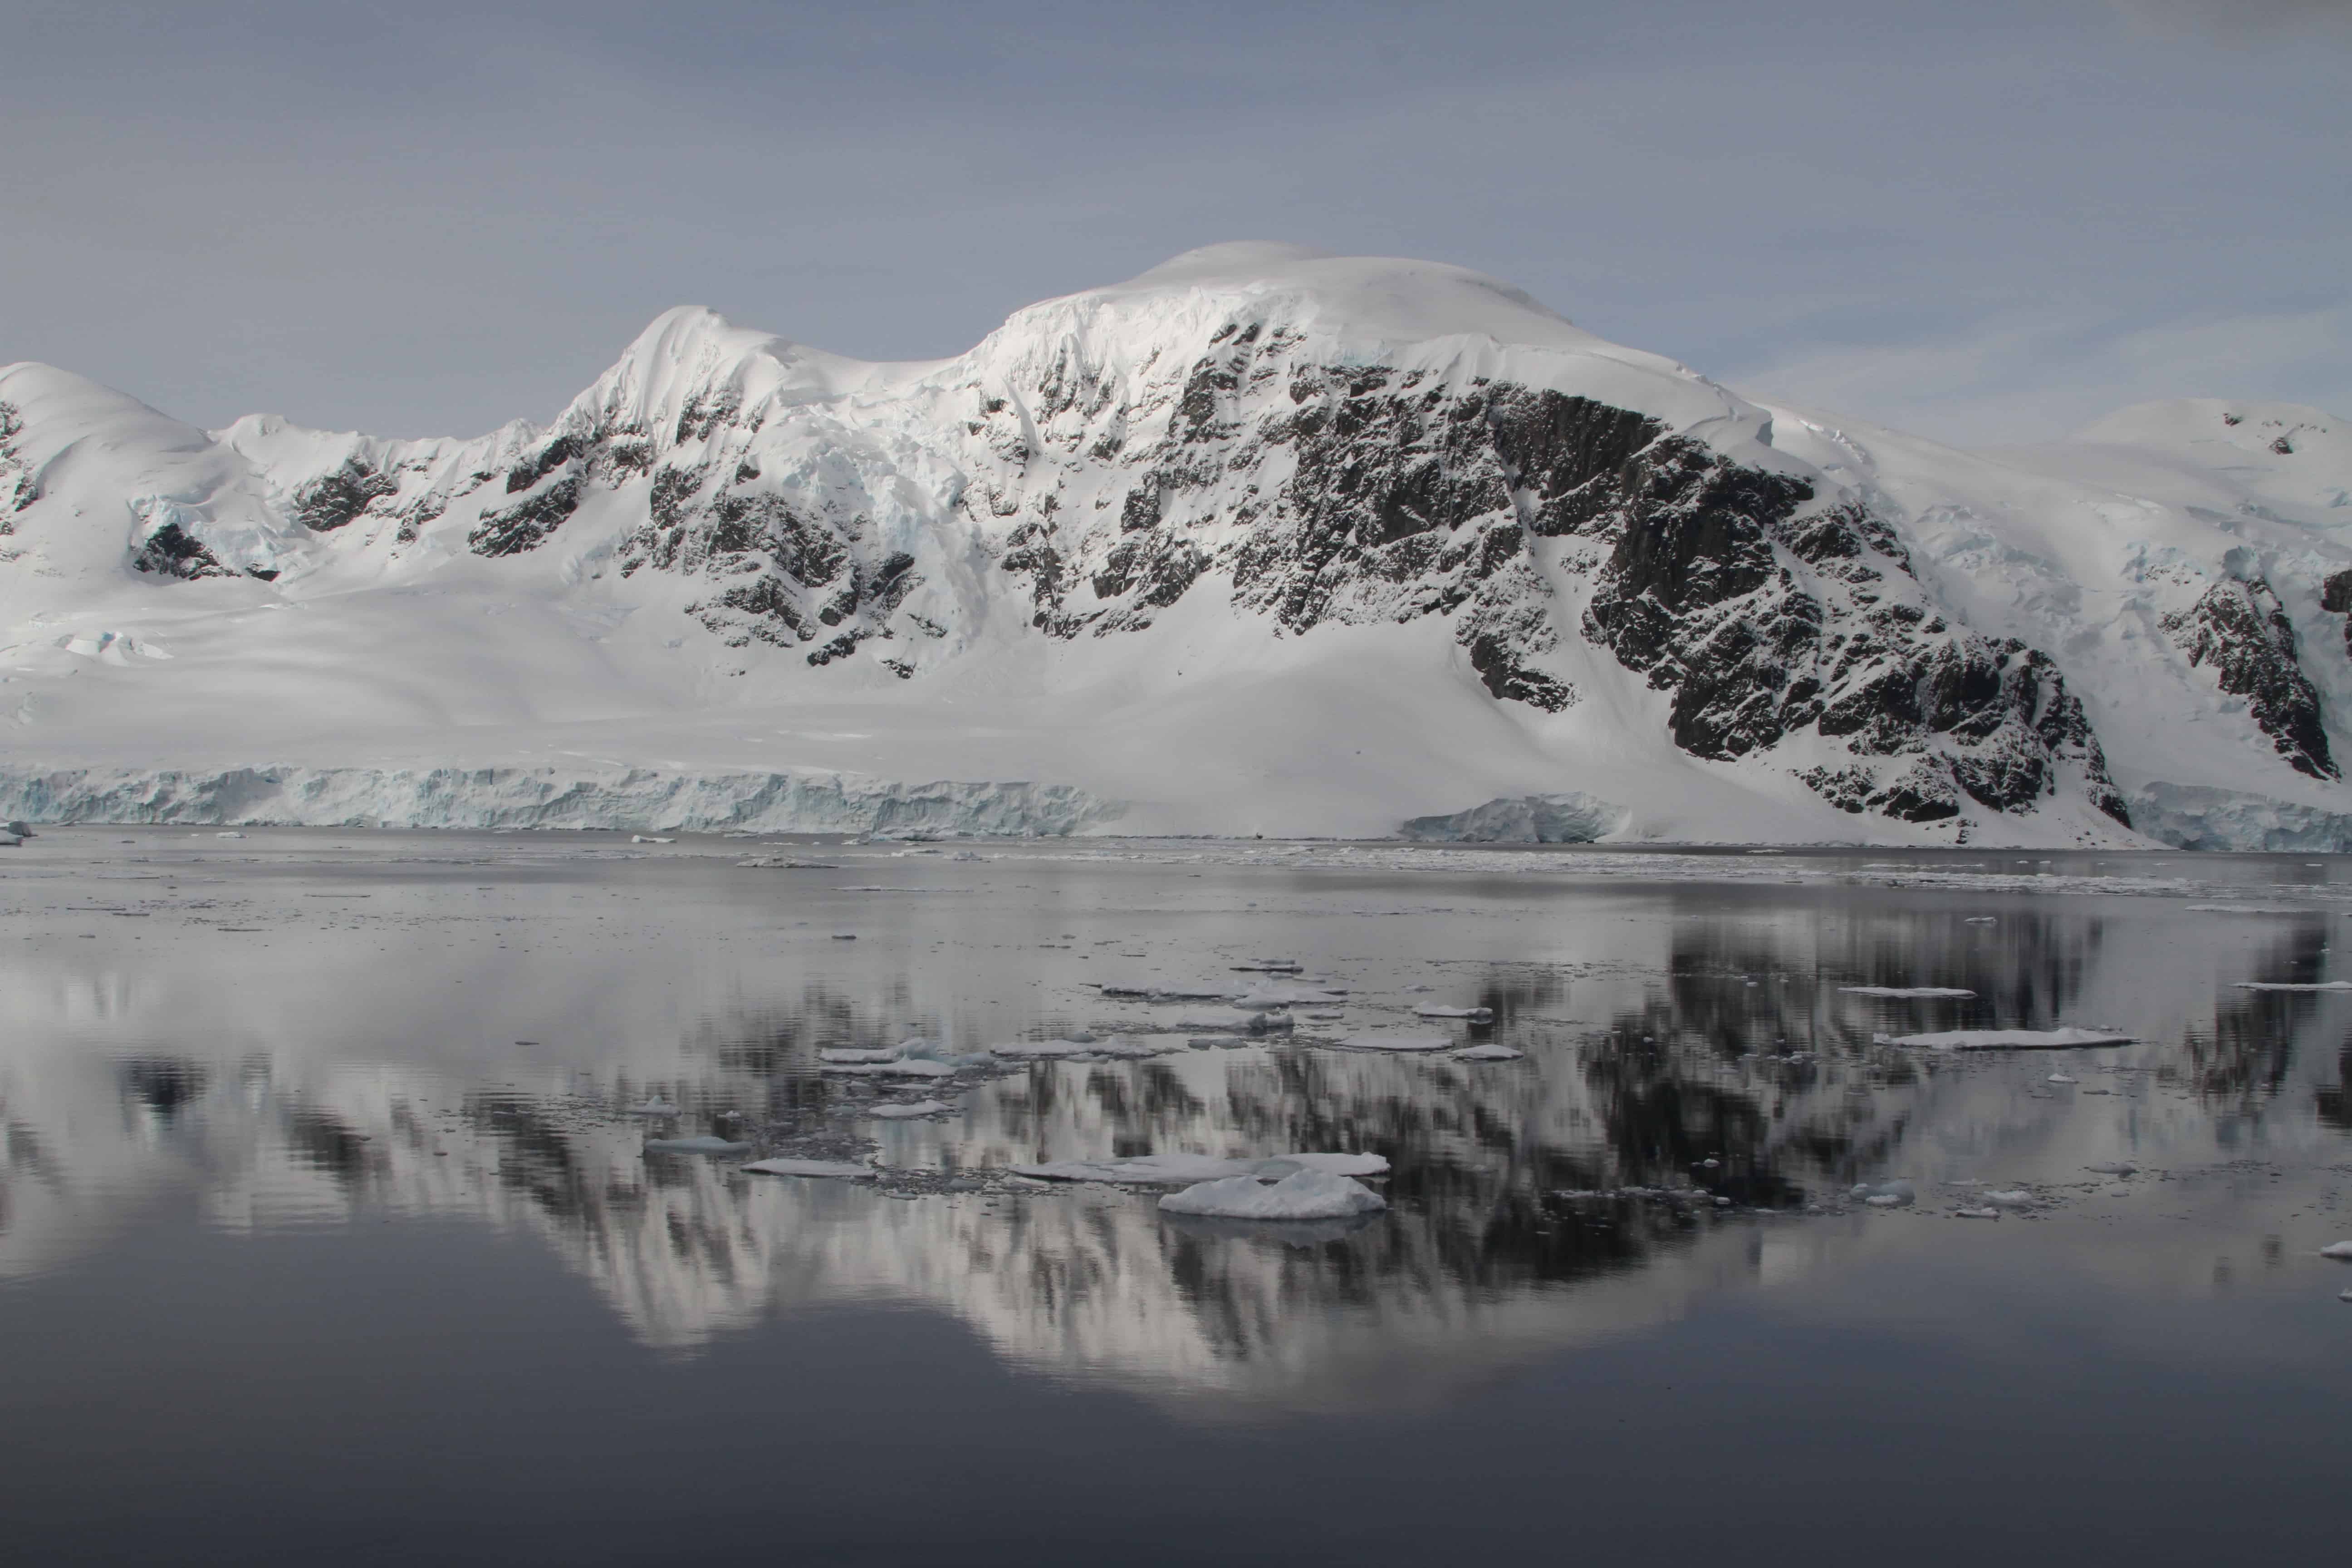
326,1232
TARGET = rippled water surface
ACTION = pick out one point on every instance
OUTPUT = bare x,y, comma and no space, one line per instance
328,1229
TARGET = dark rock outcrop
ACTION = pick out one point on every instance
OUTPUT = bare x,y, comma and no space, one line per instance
2238,628
171,551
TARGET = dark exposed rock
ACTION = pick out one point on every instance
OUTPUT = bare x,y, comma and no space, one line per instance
171,551
526,525
2336,592
335,500
2241,630
21,490
545,461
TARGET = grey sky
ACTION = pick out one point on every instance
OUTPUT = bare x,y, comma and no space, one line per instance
1982,221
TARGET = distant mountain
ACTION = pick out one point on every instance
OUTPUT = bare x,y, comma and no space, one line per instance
1263,541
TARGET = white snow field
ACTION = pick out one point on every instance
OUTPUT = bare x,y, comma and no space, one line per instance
1263,541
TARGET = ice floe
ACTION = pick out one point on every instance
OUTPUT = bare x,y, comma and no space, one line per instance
1306,1194
2009,1039
2340,1249
695,1146
1474,1015
1395,1043
1888,1194
657,1106
1263,997
1919,991
2284,985
842,1170
1488,1053
900,1113
1171,1170
891,1068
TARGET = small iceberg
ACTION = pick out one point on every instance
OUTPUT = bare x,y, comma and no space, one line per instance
2338,1249
1270,966
2283,986
2011,1039
1225,1020
1898,1193
2114,1168
657,1106
1488,1053
695,1146
840,1170
1303,1194
1905,991
1976,1213
1476,1015
2015,1198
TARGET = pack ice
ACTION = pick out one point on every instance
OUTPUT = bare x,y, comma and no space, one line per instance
1477,573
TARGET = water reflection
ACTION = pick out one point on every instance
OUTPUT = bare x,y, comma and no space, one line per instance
1674,1039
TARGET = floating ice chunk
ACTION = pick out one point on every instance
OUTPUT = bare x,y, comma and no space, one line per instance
1919,991
1117,1046
694,1146
1979,920
2246,909
1898,1193
2015,1198
648,838
1976,1213
902,1113
1158,994
2283,986
2012,1039
1303,1194
1171,1170
1395,1043
845,936
2062,1077
776,863
1476,1015
2114,1168
841,1169
1488,1053
657,1106
845,1057
1227,1020
1271,966
228,836
2342,1249
891,1069
1325,1017
1261,997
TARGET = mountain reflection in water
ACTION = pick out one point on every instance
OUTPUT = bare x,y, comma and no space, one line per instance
382,1060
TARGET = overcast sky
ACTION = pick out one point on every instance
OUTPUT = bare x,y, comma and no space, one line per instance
1983,221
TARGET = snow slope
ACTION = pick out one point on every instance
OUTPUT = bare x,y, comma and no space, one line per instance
1262,540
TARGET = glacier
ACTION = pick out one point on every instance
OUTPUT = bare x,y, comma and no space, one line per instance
1264,541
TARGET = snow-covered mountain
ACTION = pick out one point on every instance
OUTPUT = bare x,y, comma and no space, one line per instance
1263,541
